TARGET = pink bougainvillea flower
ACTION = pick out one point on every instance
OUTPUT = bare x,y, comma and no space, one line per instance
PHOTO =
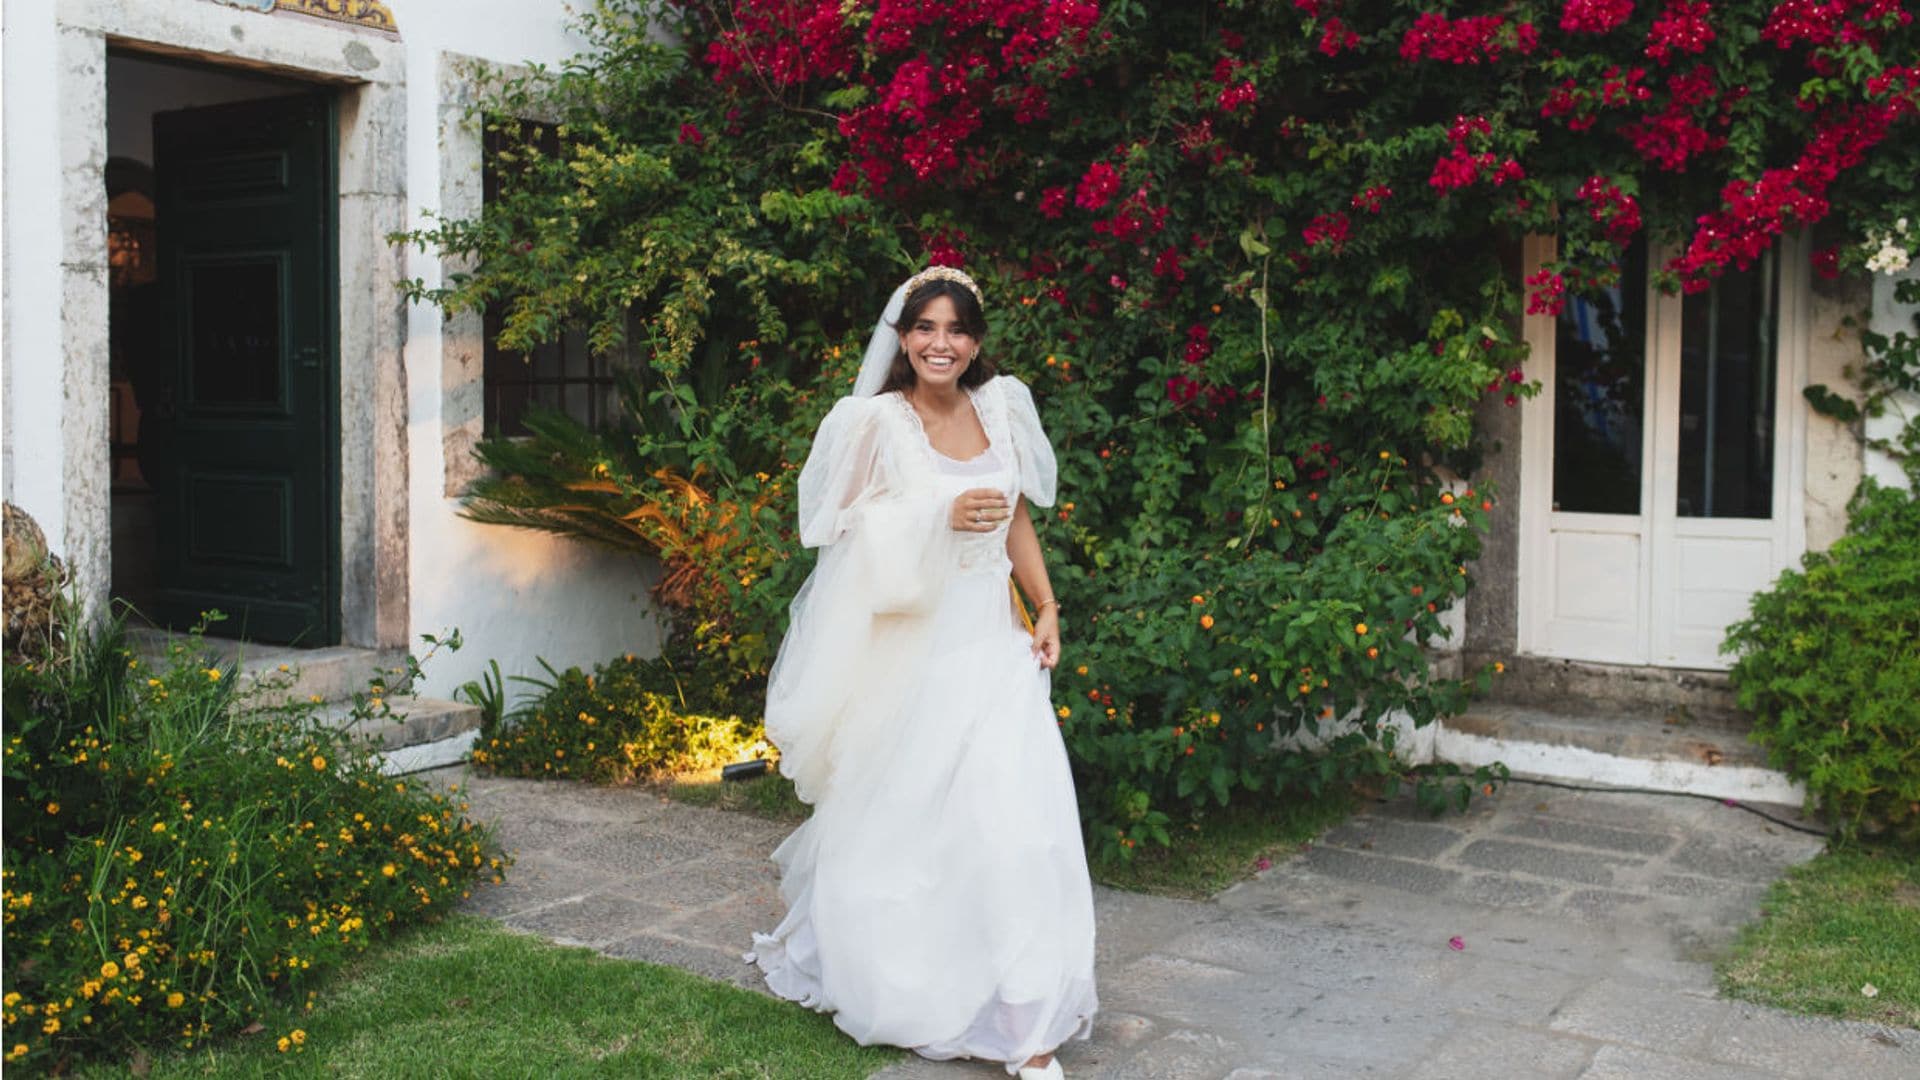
1612,209
690,135
1456,943
943,248
1327,230
1372,199
1476,40
1232,97
1826,262
1546,293
1052,202
1594,16
1681,28
1337,38
1097,186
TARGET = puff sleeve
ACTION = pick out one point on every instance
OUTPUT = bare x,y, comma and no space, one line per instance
1038,471
842,465
857,629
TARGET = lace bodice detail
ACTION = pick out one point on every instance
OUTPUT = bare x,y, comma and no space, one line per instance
994,467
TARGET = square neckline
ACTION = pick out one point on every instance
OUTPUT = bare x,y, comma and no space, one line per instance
973,401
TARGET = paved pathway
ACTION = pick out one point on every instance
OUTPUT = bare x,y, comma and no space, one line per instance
1583,922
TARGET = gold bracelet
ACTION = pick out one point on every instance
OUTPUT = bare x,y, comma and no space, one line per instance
1042,605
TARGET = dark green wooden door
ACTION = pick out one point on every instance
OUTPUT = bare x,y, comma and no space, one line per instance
248,486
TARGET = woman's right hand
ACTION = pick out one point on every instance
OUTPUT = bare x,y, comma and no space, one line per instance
979,510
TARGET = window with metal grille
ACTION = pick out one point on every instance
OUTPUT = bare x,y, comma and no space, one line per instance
562,374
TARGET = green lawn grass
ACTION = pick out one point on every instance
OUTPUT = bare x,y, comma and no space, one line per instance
1849,919
468,999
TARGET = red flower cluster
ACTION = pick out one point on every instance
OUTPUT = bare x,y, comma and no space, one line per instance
1053,202
785,43
943,248
1133,217
690,135
1754,212
1612,209
1820,23
1594,16
1460,169
994,55
1182,392
1337,38
1582,106
1232,97
1670,137
1546,293
1372,199
1327,230
1681,28
1477,40
1097,186
1199,343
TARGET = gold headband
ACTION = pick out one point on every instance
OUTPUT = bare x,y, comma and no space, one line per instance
945,273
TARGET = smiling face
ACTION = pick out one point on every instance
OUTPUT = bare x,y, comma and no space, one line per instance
938,345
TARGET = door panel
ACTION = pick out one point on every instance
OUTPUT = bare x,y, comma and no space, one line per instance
1597,605
1635,563
248,501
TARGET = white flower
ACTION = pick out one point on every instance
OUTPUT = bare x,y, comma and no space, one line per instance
1891,252
1890,259
1869,990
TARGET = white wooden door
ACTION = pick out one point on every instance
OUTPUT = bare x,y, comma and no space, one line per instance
1659,464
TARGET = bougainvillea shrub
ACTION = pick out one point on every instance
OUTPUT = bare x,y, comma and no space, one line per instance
1258,260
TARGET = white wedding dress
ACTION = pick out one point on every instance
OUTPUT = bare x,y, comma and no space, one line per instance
938,898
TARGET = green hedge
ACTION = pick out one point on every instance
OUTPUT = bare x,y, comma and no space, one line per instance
1830,667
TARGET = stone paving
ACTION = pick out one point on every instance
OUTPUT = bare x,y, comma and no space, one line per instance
1544,933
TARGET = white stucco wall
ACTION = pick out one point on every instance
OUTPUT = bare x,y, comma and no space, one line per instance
514,596
29,186
1891,317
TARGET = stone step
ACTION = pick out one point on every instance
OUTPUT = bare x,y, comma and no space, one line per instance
330,673
1627,748
415,721
1607,691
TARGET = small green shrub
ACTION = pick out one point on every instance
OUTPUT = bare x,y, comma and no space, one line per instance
1830,667
630,719
178,855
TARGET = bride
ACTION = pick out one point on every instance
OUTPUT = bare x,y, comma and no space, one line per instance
938,897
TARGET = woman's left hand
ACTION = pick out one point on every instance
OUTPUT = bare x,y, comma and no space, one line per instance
1046,637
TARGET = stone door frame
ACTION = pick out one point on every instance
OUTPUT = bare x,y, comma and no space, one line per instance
368,74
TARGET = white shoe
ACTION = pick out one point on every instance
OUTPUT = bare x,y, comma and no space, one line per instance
1051,1071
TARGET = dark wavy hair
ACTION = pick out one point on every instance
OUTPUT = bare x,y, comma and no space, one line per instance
972,320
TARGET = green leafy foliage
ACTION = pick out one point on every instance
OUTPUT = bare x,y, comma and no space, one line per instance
1222,245
629,719
180,858
1829,665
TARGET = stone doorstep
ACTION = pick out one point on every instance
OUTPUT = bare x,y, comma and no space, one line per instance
1697,698
1623,750
332,672
416,721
